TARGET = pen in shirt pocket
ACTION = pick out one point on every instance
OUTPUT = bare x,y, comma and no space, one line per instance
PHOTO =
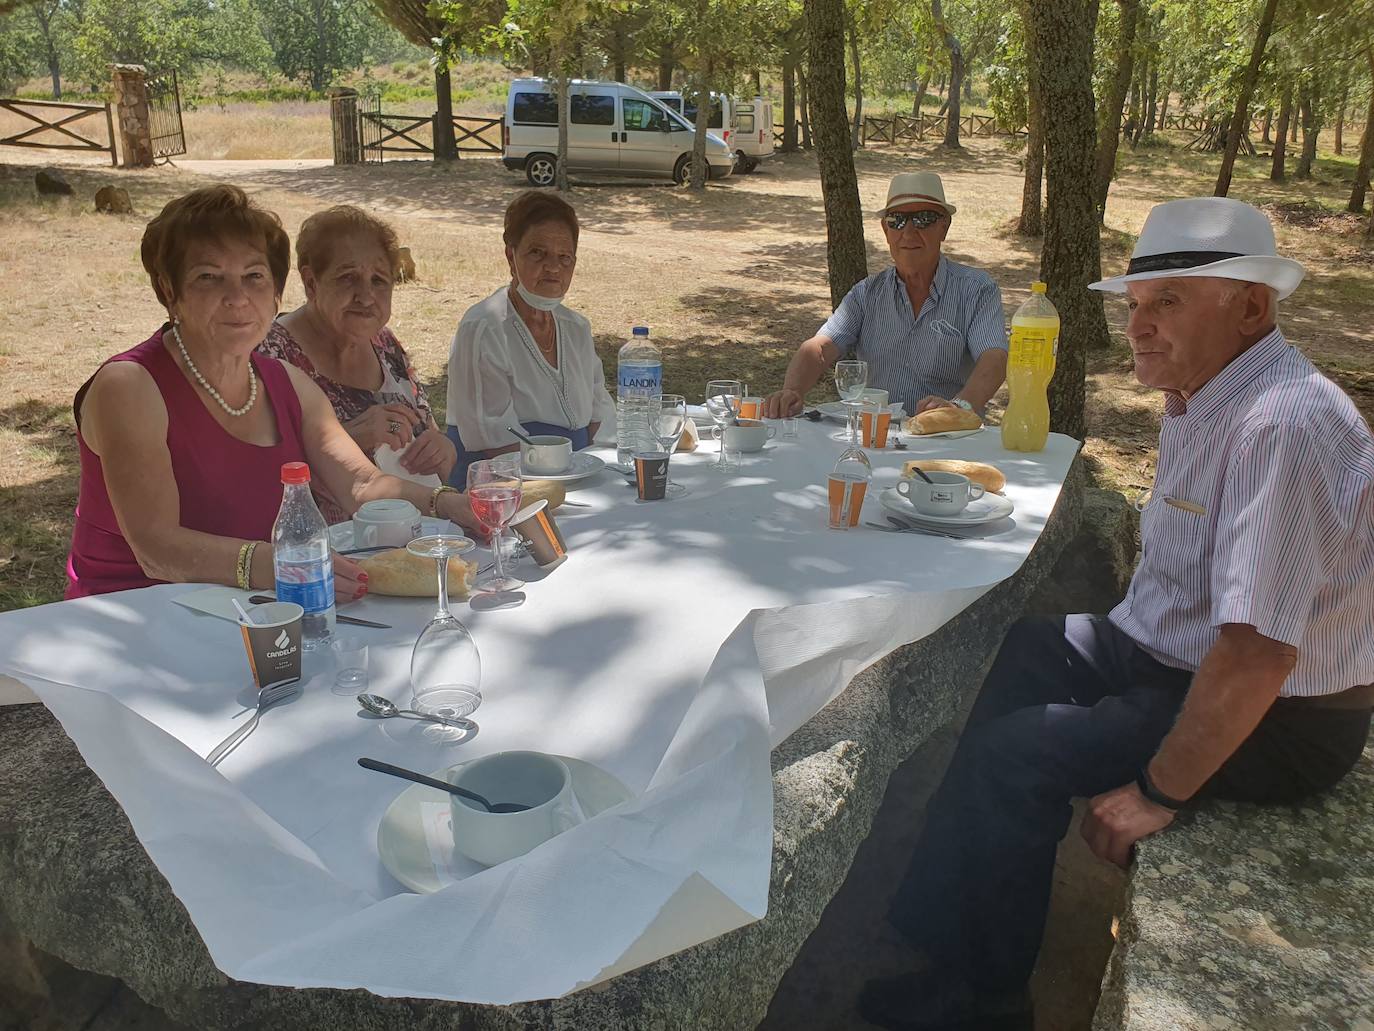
1186,506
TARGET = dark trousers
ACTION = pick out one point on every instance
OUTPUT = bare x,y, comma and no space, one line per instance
1071,708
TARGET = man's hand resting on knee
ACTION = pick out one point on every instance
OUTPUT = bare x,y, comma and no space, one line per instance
1115,821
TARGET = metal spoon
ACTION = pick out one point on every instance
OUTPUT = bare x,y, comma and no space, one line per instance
386,708
420,778
512,429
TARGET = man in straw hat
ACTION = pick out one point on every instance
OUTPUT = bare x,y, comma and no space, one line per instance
1237,666
931,330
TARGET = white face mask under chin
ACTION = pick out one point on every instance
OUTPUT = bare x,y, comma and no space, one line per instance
538,301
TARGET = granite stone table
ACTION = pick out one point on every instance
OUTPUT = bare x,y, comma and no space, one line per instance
77,883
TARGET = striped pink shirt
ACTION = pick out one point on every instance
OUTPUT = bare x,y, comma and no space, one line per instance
1262,513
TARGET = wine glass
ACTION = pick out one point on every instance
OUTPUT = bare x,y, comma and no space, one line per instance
494,493
445,668
851,378
667,417
722,404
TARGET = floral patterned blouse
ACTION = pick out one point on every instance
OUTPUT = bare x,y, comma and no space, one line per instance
400,385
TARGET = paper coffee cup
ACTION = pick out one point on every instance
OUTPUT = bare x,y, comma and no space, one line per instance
534,523
651,475
273,643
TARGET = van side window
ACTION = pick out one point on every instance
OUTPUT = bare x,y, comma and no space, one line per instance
536,109
643,117
592,110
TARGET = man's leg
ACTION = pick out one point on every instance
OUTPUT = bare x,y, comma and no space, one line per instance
1070,708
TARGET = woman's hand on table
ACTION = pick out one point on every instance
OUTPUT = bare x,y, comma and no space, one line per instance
431,453
350,582
392,424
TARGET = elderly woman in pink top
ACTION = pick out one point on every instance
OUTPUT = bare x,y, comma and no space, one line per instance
183,437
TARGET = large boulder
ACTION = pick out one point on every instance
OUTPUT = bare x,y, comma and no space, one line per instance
407,266
113,200
52,182
1095,569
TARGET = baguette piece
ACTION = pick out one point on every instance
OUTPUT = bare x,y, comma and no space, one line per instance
943,420
399,574
989,476
690,436
542,490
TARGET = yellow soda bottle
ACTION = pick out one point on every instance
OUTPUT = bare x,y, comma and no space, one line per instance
1030,367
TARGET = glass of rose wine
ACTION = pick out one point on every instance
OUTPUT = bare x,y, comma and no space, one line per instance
494,493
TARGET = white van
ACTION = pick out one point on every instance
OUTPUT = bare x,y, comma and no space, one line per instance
613,128
745,125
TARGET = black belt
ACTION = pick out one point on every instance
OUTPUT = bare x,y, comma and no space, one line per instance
1361,697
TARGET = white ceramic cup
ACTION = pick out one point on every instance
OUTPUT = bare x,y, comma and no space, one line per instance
531,778
548,454
948,495
389,522
877,395
748,435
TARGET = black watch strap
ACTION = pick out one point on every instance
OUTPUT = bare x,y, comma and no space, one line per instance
1148,789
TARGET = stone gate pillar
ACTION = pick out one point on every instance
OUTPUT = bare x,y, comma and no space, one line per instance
131,107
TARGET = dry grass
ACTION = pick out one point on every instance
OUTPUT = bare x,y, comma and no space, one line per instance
730,282
249,132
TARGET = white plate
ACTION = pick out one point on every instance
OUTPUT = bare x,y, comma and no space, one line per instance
836,410
341,534
408,850
582,466
987,509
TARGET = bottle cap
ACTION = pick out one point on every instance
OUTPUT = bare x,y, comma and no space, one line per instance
295,472
1038,287
640,331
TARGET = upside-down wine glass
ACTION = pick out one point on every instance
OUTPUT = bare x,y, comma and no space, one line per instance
851,378
445,668
494,493
667,417
722,405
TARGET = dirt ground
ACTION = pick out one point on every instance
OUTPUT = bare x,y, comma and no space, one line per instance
729,282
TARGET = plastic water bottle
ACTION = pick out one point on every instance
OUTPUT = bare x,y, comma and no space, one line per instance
639,376
301,561
1031,357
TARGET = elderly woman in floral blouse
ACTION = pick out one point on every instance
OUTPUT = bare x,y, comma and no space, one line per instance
347,262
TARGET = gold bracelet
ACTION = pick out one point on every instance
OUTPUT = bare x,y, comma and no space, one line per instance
245,566
434,498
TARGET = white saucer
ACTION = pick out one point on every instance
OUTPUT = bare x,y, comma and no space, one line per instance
425,860
581,466
987,509
341,534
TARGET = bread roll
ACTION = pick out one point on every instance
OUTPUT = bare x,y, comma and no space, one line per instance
943,420
542,490
979,472
399,574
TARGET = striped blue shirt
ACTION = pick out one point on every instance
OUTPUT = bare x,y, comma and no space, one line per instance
1262,513
931,353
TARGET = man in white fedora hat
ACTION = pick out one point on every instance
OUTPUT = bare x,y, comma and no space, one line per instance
932,330
1239,664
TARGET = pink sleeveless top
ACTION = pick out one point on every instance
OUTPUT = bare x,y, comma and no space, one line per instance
227,487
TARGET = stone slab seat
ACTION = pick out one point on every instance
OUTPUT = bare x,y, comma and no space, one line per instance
1248,916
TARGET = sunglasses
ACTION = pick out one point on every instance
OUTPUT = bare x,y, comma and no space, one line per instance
897,221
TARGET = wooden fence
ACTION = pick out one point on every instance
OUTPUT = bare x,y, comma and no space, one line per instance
44,115
907,129
364,132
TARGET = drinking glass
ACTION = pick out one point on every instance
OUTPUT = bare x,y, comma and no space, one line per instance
494,493
722,395
851,377
445,668
667,417
847,485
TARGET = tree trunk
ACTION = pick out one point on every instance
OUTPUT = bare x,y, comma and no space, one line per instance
804,98
1338,144
856,137
700,170
445,147
667,58
1357,193
1281,136
618,52
1153,100
1061,34
1240,118
1164,107
44,19
1267,127
956,75
1311,129
789,104
1132,119
1030,223
560,177
758,83
1109,118
1293,131
920,96
846,256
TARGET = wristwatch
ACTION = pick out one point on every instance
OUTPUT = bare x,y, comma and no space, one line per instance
1148,789
961,403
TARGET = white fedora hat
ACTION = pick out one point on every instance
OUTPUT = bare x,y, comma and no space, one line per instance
916,188
1207,236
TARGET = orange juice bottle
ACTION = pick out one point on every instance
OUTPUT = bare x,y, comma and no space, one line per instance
1030,367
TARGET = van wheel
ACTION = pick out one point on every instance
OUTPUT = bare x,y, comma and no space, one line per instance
747,164
540,169
682,171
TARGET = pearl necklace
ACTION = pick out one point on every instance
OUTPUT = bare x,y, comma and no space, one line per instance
252,379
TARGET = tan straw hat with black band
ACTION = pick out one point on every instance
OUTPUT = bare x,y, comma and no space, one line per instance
916,188
1207,236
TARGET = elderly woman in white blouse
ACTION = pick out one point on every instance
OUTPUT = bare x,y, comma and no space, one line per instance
519,357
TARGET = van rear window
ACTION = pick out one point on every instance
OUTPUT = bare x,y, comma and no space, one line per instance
713,120
744,123
536,109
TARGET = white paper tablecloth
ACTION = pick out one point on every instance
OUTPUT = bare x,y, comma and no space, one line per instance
678,643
